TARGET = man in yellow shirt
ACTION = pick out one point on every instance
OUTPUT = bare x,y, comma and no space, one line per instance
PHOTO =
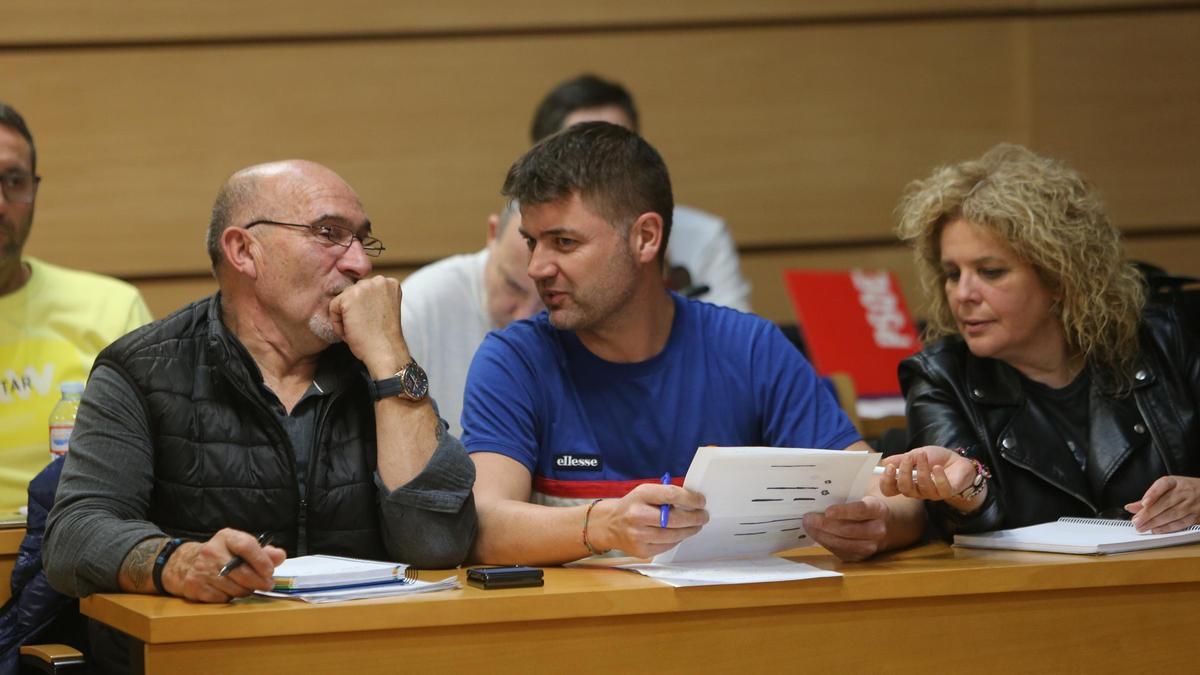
53,321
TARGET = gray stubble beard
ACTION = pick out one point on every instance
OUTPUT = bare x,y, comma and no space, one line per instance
322,327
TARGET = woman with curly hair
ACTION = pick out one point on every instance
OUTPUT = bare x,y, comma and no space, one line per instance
1061,391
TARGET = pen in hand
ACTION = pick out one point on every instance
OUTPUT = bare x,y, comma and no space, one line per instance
882,469
236,561
665,510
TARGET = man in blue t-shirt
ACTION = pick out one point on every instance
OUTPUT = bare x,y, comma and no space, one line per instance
574,416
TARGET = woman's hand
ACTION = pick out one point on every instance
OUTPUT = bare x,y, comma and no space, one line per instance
933,473
1172,503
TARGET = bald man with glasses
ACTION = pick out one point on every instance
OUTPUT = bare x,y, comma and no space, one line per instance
286,404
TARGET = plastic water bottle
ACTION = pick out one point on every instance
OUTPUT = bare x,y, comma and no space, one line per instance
62,418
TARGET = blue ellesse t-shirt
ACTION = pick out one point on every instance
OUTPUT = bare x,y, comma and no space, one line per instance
588,428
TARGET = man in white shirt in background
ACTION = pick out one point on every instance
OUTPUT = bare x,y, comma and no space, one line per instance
450,305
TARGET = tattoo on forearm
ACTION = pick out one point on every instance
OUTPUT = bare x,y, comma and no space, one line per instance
139,564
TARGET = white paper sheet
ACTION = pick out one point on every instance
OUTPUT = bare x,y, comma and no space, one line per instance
757,497
720,572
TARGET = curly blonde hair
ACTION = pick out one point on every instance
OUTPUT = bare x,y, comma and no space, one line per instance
1054,220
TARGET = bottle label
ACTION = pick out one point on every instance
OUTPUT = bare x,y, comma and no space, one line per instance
60,436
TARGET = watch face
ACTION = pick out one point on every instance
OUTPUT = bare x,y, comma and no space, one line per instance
415,381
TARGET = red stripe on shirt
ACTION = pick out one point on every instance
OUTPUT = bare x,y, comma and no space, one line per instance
591,489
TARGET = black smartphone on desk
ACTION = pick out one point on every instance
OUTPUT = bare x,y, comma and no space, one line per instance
513,576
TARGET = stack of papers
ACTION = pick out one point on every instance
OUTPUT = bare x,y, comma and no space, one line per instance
327,578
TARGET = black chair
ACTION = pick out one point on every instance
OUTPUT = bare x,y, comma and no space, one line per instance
52,659
40,629
1174,290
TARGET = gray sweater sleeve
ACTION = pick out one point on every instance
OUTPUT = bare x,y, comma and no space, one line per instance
100,510
430,521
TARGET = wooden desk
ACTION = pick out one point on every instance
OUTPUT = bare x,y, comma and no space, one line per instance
930,609
10,542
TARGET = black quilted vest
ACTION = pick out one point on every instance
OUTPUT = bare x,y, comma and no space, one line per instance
221,459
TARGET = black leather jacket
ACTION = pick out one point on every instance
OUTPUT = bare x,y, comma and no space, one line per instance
958,400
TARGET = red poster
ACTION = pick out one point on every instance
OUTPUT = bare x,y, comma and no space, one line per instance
854,322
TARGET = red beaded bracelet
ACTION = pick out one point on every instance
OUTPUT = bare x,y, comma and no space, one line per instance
982,474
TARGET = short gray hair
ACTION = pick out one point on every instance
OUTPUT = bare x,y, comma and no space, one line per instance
233,197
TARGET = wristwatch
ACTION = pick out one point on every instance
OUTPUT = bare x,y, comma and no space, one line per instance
410,383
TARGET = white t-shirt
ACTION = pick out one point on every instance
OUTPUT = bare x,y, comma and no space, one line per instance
444,317
701,243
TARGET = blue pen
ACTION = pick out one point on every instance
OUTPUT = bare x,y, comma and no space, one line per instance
665,509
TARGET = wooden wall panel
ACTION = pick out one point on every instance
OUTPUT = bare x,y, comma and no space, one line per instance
765,272
809,135
66,21
43,22
1100,5
165,296
793,134
1178,254
1119,98
798,121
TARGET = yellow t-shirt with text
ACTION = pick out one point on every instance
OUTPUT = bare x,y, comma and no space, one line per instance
50,332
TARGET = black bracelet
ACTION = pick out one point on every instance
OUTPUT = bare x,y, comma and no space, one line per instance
161,561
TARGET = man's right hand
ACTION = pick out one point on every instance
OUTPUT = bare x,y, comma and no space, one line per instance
632,523
192,571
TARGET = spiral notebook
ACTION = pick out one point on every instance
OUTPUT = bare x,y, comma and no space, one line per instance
1088,536
329,572
328,578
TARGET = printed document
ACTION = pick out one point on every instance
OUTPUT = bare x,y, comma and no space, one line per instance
757,497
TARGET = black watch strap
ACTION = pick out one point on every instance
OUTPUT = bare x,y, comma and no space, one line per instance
161,561
387,387
410,383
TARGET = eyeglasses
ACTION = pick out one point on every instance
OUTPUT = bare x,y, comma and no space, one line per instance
334,234
19,186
